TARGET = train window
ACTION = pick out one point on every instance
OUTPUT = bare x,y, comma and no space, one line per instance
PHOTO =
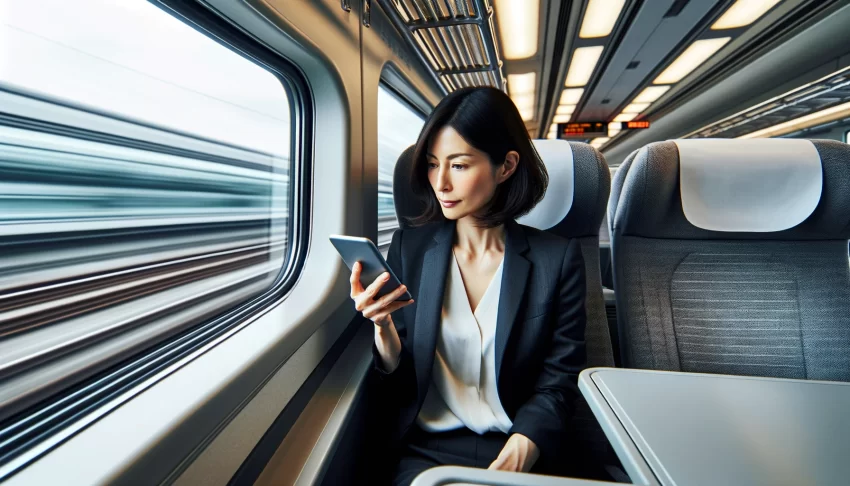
398,128
144,189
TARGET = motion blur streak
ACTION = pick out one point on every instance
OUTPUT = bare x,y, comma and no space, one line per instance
398,125
105,245
127,215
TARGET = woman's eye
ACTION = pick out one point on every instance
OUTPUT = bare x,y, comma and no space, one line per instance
458,166
432,165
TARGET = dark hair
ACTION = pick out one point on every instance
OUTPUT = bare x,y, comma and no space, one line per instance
488,120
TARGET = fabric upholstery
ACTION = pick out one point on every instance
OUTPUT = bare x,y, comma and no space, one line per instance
763,304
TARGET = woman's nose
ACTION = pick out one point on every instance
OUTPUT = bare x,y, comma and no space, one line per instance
443,180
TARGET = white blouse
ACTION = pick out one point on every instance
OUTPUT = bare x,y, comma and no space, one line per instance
463,388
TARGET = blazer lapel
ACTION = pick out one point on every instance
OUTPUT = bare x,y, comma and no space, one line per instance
514,282
429,307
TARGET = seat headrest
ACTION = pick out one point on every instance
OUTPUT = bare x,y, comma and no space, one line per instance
574,203
406,204
734,189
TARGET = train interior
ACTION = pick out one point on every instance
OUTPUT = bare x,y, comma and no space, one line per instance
172,312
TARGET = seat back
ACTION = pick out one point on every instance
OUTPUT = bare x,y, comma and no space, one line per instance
730,256
573,207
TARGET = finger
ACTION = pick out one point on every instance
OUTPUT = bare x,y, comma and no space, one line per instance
363,301
389,298
378,311
375,286
397,305
381,315
356,287
510,463
495,465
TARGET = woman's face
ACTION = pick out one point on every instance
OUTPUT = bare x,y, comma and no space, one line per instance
463,178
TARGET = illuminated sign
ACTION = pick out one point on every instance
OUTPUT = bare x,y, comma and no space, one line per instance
582,130
631,125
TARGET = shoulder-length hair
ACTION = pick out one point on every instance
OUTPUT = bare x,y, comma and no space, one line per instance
487,120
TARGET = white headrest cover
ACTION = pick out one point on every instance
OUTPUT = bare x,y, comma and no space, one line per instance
557,156
759,185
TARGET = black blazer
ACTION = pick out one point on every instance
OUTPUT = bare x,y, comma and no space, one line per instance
539,330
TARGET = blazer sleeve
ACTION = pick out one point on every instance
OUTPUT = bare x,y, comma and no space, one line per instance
545,417
404,372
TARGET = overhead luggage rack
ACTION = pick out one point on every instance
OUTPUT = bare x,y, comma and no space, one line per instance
830,91
455,37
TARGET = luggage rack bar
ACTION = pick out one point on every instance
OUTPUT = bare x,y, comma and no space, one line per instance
455,38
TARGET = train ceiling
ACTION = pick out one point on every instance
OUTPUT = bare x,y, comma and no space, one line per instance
596,60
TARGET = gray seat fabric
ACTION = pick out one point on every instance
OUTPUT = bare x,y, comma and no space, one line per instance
764,304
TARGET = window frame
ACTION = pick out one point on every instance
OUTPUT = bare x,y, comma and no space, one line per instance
107,390
395,86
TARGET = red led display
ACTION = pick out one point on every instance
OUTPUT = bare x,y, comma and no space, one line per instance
629,125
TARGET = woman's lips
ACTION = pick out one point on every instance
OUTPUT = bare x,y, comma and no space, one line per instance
448,204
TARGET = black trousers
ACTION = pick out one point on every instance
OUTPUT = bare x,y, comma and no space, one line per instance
462,447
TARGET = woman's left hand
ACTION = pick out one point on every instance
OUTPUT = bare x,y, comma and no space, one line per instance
518,455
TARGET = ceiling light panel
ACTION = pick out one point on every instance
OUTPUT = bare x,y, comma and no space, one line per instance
696,54
571,96
565,110
624,117
525,105
743,12
522,88
518,21
600,17
521,84
811,120
582,65
635,107
561,118
525,100
650,94
652,49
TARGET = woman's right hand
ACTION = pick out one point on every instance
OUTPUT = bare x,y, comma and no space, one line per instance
378,311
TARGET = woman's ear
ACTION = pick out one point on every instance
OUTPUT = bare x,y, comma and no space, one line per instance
508,167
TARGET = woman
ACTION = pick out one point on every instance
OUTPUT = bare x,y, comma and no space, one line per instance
480,367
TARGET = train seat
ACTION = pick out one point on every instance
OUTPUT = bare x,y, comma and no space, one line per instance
730,256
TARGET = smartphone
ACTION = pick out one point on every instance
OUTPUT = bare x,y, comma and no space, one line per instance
355,249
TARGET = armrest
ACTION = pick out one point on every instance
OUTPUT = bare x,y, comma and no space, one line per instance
452,475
